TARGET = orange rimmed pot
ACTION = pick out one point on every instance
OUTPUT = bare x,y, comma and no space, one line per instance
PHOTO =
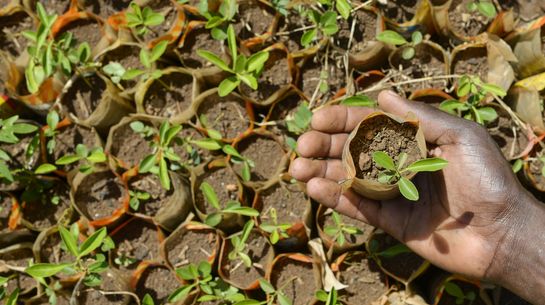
156,279
528,47
262,19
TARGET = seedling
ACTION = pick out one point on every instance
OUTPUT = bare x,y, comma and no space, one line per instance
143,19
237,158
89,158
455,291
238,242
243,69
486,8
343,7
299,122
14,295
50,131
388,253
474,91
330,298
136,197
339,229
395,173
275,229
147,300
281,6
232,207
217,21
393,38
275,296
9,131
156,163
517,166
325,23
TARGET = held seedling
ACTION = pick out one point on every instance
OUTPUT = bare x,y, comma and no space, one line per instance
237,158
218,21
232,207
50,131
393,38
243,69
141,20
396,173
455,291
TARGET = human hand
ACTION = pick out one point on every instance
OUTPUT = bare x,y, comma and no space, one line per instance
465,211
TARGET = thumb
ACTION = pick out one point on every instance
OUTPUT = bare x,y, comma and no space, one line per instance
438,126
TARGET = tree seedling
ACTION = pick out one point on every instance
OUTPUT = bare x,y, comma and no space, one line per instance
156,163
486,8
328,298
243,70
339,229
9,131
455,291
325,23
136,198
237,158
275,296
232,207
275,229
395,173
217,21
474,91
343,7
50,131
394,38
281,6
89,157
143,19
238,242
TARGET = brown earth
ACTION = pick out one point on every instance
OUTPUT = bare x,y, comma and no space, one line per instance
137,239
266,154
535,170
84,96
130,147
365,30
11,28
511,140
169,96
527,10
110,284
128,57
473,61
165,8
290,204
402,265
158,282
226,115
366,282
105,8
17,257
225,184
358,239
99,195
399,10
191,247
84,30
200,39
296,280
5,210
254,20
465,22
42,213
150,183
312,71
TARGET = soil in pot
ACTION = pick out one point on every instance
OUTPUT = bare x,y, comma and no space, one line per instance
58,7
296,280
473,61
358,239
99,195
150,184
253,21
276,75
199,38
447,299
398,11
105,8
511,140
365,280
465,22
21,281
382,134
289,202
129,146
11,29
225,184
45,203
158,282
321,81
195,155
290,23
68,138
83,97
192,247
266,154
128,57
84,30
109,284
18,152
402,265
170,95
51,251
226,115
365,31
136,241
18,257
260,252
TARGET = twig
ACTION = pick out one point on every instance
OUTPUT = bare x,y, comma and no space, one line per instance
513,115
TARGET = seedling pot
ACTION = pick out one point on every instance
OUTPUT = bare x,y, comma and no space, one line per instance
372,188
263,12
10,232
527,45
112,282
421,19
156,278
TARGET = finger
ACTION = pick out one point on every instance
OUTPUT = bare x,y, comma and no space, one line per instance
315,144
305,169
337,118
439,127
330,194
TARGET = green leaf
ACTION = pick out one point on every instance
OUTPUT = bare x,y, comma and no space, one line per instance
464,87
359,101
158,50
97,156
249,80
69,240
31,83
408,53
487,9
394,251
402,158
230,150
147,300
454,290
488,114
213,219
408,189
283,300
383,160
132,74
214,134
12,299
427,165
451,106
321,295
163,174
330,230
232,42
494,89
517,166
256,61
308,37
246,172
344,8
391,37
24,128
146,164
92,242
266,286
208,144
328,23
214,22
245,211
214,59
180,293
45,168
210,195
43,270
228,85
154,19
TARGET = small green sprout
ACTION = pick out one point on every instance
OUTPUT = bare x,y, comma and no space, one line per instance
90,158
517,166
147,300
455,291
143,19
343,7
238,242
12,298
476,91
9,131
325,23
359,101
217,21
275,229
486,8
275,296
281,6
339,229
299,122
237,158
393,38
245,70
393,173
330,298
232,207
136,197
51,131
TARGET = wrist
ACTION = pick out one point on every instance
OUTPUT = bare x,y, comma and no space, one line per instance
519,261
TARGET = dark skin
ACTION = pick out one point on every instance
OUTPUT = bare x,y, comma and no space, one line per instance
470,216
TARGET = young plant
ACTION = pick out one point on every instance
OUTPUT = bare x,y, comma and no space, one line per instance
89,157
9,132
244,69
474,92
343,7
281,6
339,229
237,158
275,296
50,131
396,173
393,38
157,163
298,123
217,21
238,242
136,197
330,298
325,23
484,7
13,296
232,207
455,291
143,19
275,229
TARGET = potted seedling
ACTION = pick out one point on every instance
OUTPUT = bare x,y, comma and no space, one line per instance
156,280
380,175
151,25
325,26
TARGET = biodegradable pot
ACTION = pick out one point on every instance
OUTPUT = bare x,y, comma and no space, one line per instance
11,7
358,162
407,16
439,296
352,242
234,272
100,197
170,30
227,187
156,280
528,47
47,249
366,282
430,60
166,208
267,152
93,100
292,207
277,79
262,22
10,214
404,267
523,12
169,96
299,269
527,105
112,283
448,22
187,244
